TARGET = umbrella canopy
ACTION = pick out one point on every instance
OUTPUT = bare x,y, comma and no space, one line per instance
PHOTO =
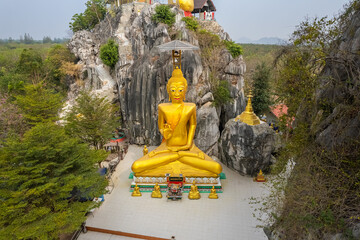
177,45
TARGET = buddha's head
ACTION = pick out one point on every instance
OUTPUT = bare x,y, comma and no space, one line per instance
177,86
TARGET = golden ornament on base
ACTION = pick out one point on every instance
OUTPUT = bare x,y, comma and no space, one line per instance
136,192
213,194
156,193
260,177
194,192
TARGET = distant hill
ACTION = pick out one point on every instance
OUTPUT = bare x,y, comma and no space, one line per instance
264,40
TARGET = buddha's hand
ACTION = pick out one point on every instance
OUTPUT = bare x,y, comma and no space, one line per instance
181,148
167,131
173,149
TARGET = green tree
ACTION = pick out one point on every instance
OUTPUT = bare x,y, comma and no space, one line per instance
92,119
42,179
47,39
39,104
94,13
57,56
163,14
11,120
191,23
31,64
234,48
109,53
222,94
261,89
12,82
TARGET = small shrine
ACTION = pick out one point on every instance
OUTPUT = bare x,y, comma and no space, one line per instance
248,116
260,177
204,9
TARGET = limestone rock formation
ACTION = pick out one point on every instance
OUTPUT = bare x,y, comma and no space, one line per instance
207,130
245,148
138,80
338,92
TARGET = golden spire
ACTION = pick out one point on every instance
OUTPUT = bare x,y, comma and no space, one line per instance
248,116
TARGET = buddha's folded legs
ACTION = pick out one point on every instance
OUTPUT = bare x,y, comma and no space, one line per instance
199,163
142,165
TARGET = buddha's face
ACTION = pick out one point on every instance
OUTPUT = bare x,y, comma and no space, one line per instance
177,92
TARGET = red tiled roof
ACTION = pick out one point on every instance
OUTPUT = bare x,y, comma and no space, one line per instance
279,110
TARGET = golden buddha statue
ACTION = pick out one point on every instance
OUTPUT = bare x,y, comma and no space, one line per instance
136,192
156,193
260,177
194,192
145,150
213,194
177,154
248,116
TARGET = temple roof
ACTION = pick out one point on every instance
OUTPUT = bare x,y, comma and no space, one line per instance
199,4
279,110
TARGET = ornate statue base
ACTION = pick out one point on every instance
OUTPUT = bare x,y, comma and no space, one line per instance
204,185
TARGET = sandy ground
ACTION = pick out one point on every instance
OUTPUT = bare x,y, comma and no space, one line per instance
229,217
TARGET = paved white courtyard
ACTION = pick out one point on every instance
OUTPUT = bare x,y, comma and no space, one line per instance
227,218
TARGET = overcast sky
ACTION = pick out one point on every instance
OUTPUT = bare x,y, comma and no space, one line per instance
253,19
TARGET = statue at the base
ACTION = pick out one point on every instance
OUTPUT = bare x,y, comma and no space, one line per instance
156,193
145,150
177,154
136,192
213,194
260,177
194,192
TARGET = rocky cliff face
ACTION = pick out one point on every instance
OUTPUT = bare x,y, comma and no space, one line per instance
247,149
338,96
138,81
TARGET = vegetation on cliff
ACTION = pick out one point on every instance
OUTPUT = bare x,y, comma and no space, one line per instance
109,53
321,195
191,23
95,12
163,14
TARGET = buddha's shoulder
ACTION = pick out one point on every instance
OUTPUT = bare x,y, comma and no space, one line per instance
189,105
168,105
164,105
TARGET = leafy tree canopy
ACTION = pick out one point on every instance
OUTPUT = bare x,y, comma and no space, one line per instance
163,14
11,120
92,119
109,53
38,174
222,94
234,48
30,63
261,89
39,104
191,23
58,56
94,13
